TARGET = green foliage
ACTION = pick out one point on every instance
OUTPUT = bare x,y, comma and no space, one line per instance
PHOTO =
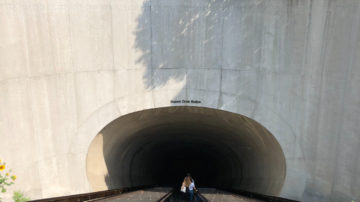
18,196
6,179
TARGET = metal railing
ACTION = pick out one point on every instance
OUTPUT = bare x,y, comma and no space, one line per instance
113,192
256,195
91,195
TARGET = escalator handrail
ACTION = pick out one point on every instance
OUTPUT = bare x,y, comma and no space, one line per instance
92,195
256,195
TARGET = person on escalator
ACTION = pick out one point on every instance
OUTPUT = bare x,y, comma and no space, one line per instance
192,189
189,185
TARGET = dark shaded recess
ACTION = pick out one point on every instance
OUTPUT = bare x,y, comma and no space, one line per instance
219,148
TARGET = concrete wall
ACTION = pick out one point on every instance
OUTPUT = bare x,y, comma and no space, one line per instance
69,67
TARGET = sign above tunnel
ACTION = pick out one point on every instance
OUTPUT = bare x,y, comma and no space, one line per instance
185,101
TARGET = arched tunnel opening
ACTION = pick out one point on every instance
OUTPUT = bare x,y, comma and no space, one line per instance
159,146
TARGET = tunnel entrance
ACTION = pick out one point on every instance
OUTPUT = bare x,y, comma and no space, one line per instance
159,146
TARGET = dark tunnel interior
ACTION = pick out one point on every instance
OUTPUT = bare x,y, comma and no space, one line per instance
159,146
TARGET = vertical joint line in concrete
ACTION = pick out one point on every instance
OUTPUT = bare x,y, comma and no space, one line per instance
151,54
307,35
113,53
221,58
73,66
112,36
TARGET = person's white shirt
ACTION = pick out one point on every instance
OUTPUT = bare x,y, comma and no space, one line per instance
191,186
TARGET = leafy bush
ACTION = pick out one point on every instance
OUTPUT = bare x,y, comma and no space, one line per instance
19,197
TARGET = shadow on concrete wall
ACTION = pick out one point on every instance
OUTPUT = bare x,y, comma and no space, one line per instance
184,37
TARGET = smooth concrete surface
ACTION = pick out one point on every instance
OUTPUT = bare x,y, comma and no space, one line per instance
68,68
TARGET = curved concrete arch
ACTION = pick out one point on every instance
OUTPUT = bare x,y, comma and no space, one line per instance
158,146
